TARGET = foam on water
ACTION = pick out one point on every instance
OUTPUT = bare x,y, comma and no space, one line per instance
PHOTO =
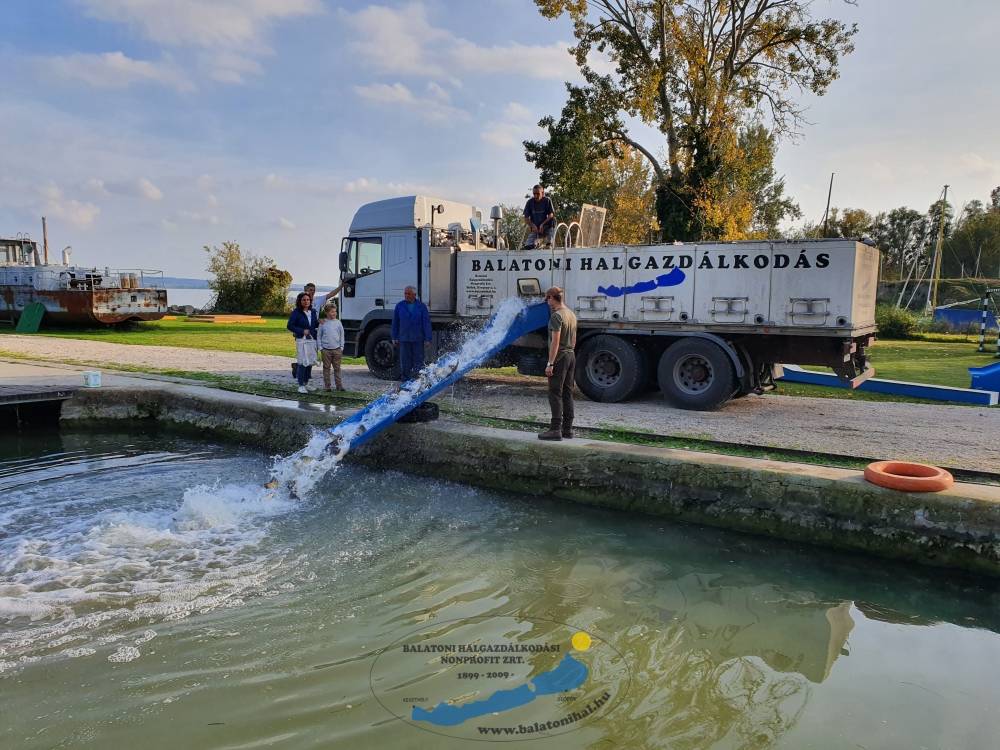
73,582
78,575
301,471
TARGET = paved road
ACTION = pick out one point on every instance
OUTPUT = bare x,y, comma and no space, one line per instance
956,436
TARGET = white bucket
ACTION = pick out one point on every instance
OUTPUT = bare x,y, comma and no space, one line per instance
92,379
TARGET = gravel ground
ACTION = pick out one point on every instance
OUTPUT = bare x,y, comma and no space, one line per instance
954,436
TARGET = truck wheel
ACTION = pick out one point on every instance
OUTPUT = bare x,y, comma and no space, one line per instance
696,374
425,412
380,355
610,369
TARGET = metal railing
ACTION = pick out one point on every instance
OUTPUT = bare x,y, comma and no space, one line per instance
85,279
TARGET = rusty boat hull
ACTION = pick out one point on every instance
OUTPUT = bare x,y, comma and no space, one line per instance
86,306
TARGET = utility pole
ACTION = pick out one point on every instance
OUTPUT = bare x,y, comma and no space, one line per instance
829,194
932,287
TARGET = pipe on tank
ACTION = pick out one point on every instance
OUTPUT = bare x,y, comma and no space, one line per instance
45,239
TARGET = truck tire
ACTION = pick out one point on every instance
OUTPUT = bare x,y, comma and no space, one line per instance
425,412
381,356
530,363
696,374
609,369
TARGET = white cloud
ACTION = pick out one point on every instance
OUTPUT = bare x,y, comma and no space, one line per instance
232,32
396,40
285,223
96,187
230,67
306,184
196,217
385,93
212,200
115,70
205,182
374,187
203,23
275,182
501,134
430,107
517,112
78,213
976,165
516,124
550,62
435,91
403,41
149,191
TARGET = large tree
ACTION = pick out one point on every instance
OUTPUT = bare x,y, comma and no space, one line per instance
620,182
701,72
973,249
901,234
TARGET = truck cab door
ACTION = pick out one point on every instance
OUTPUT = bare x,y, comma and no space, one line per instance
400,266
364,282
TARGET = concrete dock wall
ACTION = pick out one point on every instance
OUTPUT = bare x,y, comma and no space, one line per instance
959,528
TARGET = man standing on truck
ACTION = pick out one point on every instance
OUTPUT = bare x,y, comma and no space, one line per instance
561,366
411,328
540,216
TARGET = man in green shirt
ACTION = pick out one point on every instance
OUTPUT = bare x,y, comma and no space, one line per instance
561,366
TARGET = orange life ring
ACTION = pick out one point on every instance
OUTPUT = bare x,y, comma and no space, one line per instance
908,477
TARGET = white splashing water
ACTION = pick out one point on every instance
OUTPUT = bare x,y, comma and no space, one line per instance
300,472
75,584
78,584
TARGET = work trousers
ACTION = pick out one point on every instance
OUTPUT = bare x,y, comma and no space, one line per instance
561,391
534,239
332,359
411,359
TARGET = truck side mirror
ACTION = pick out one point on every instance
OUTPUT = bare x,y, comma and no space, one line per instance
343,261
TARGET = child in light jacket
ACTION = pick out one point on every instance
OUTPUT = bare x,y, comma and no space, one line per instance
331,345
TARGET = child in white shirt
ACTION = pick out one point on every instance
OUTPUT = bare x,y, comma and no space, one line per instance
331,346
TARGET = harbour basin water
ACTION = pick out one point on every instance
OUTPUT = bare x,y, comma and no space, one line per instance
151,596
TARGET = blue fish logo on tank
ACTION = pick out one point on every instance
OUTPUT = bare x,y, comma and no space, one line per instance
675,277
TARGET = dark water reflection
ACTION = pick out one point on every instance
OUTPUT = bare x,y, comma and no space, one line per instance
731,641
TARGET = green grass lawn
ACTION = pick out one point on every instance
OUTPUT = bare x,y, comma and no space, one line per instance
269,338
918,361
942,360
926,361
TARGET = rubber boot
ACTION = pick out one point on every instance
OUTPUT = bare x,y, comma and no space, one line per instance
567,430
551,434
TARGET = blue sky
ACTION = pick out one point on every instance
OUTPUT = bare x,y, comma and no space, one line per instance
145,129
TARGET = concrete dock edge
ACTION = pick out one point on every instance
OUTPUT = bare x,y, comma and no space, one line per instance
958,528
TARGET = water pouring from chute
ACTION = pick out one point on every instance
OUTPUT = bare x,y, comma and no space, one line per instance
298,473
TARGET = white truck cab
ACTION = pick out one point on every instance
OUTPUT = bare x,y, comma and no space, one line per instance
703,322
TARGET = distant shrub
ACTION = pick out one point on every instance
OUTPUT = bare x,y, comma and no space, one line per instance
246,283
894,323
929,325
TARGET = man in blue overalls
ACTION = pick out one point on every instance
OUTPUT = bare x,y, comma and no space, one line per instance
411,327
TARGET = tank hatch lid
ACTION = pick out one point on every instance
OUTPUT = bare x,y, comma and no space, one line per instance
408,211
